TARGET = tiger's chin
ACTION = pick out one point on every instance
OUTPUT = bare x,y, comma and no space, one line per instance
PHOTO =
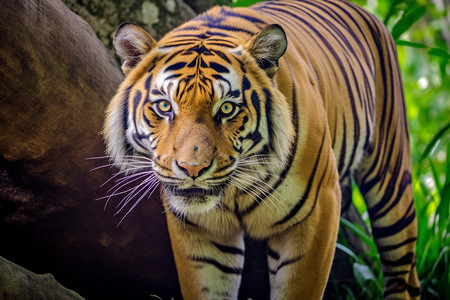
193,200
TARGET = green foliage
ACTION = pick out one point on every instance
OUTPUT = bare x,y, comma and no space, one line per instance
244,3
432,198
366,267
410,16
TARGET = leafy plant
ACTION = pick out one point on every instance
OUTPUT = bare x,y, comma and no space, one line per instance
432,193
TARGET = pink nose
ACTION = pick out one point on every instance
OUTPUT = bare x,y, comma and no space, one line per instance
193,170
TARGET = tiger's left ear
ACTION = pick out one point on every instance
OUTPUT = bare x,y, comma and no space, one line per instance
267,46
131,43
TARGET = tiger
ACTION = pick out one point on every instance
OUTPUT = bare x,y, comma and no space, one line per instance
250,119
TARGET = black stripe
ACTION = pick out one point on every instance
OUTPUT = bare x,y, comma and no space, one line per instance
148,82
176,44
185,220
221,55
406,259
305,196
285,263
335,129
400,286
396,246
231,28
268,109
189,222
222,34
230,13
381,232
218,67
366,186
157,92
317,194
405,181
245,86
125,108
256,105
222,45
228,249
186,28
343,147
273,254
224,269
175,67
395,274
172,56
136,100
413,291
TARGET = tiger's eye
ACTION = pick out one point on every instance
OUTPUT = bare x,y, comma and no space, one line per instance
164,106
227,108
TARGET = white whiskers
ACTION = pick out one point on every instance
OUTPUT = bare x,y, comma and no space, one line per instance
247,177
136,180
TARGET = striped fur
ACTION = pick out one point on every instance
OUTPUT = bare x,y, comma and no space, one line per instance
247,136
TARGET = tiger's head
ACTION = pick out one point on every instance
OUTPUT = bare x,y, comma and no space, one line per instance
204,109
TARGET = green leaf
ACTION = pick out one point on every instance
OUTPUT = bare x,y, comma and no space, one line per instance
447,165
410,44
392,10
347,251
362,273
423,261
433,142
443,209
244,3
435,175
363,236
436,263
350,295
407,20
439,53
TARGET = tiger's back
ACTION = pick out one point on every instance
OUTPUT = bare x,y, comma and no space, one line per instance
248,136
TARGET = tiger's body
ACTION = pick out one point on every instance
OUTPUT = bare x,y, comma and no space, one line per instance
248,136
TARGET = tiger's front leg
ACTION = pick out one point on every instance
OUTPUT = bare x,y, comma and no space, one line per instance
209,267
300,258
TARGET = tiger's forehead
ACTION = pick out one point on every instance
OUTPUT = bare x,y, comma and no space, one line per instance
198,70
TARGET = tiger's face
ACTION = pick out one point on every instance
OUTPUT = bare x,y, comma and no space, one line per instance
208,117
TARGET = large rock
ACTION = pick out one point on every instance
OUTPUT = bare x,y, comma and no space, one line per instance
56,80
19,283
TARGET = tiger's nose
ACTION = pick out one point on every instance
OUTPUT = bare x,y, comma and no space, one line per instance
193,170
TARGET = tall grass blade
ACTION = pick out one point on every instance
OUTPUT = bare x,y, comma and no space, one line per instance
348,251
436,263
433,143
360,233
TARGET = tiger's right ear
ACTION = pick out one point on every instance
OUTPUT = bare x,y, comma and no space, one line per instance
131,42
267,46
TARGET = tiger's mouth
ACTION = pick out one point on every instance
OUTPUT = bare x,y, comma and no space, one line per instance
193,199
194,192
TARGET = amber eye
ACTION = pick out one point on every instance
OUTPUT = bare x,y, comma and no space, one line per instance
164,106
227,109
